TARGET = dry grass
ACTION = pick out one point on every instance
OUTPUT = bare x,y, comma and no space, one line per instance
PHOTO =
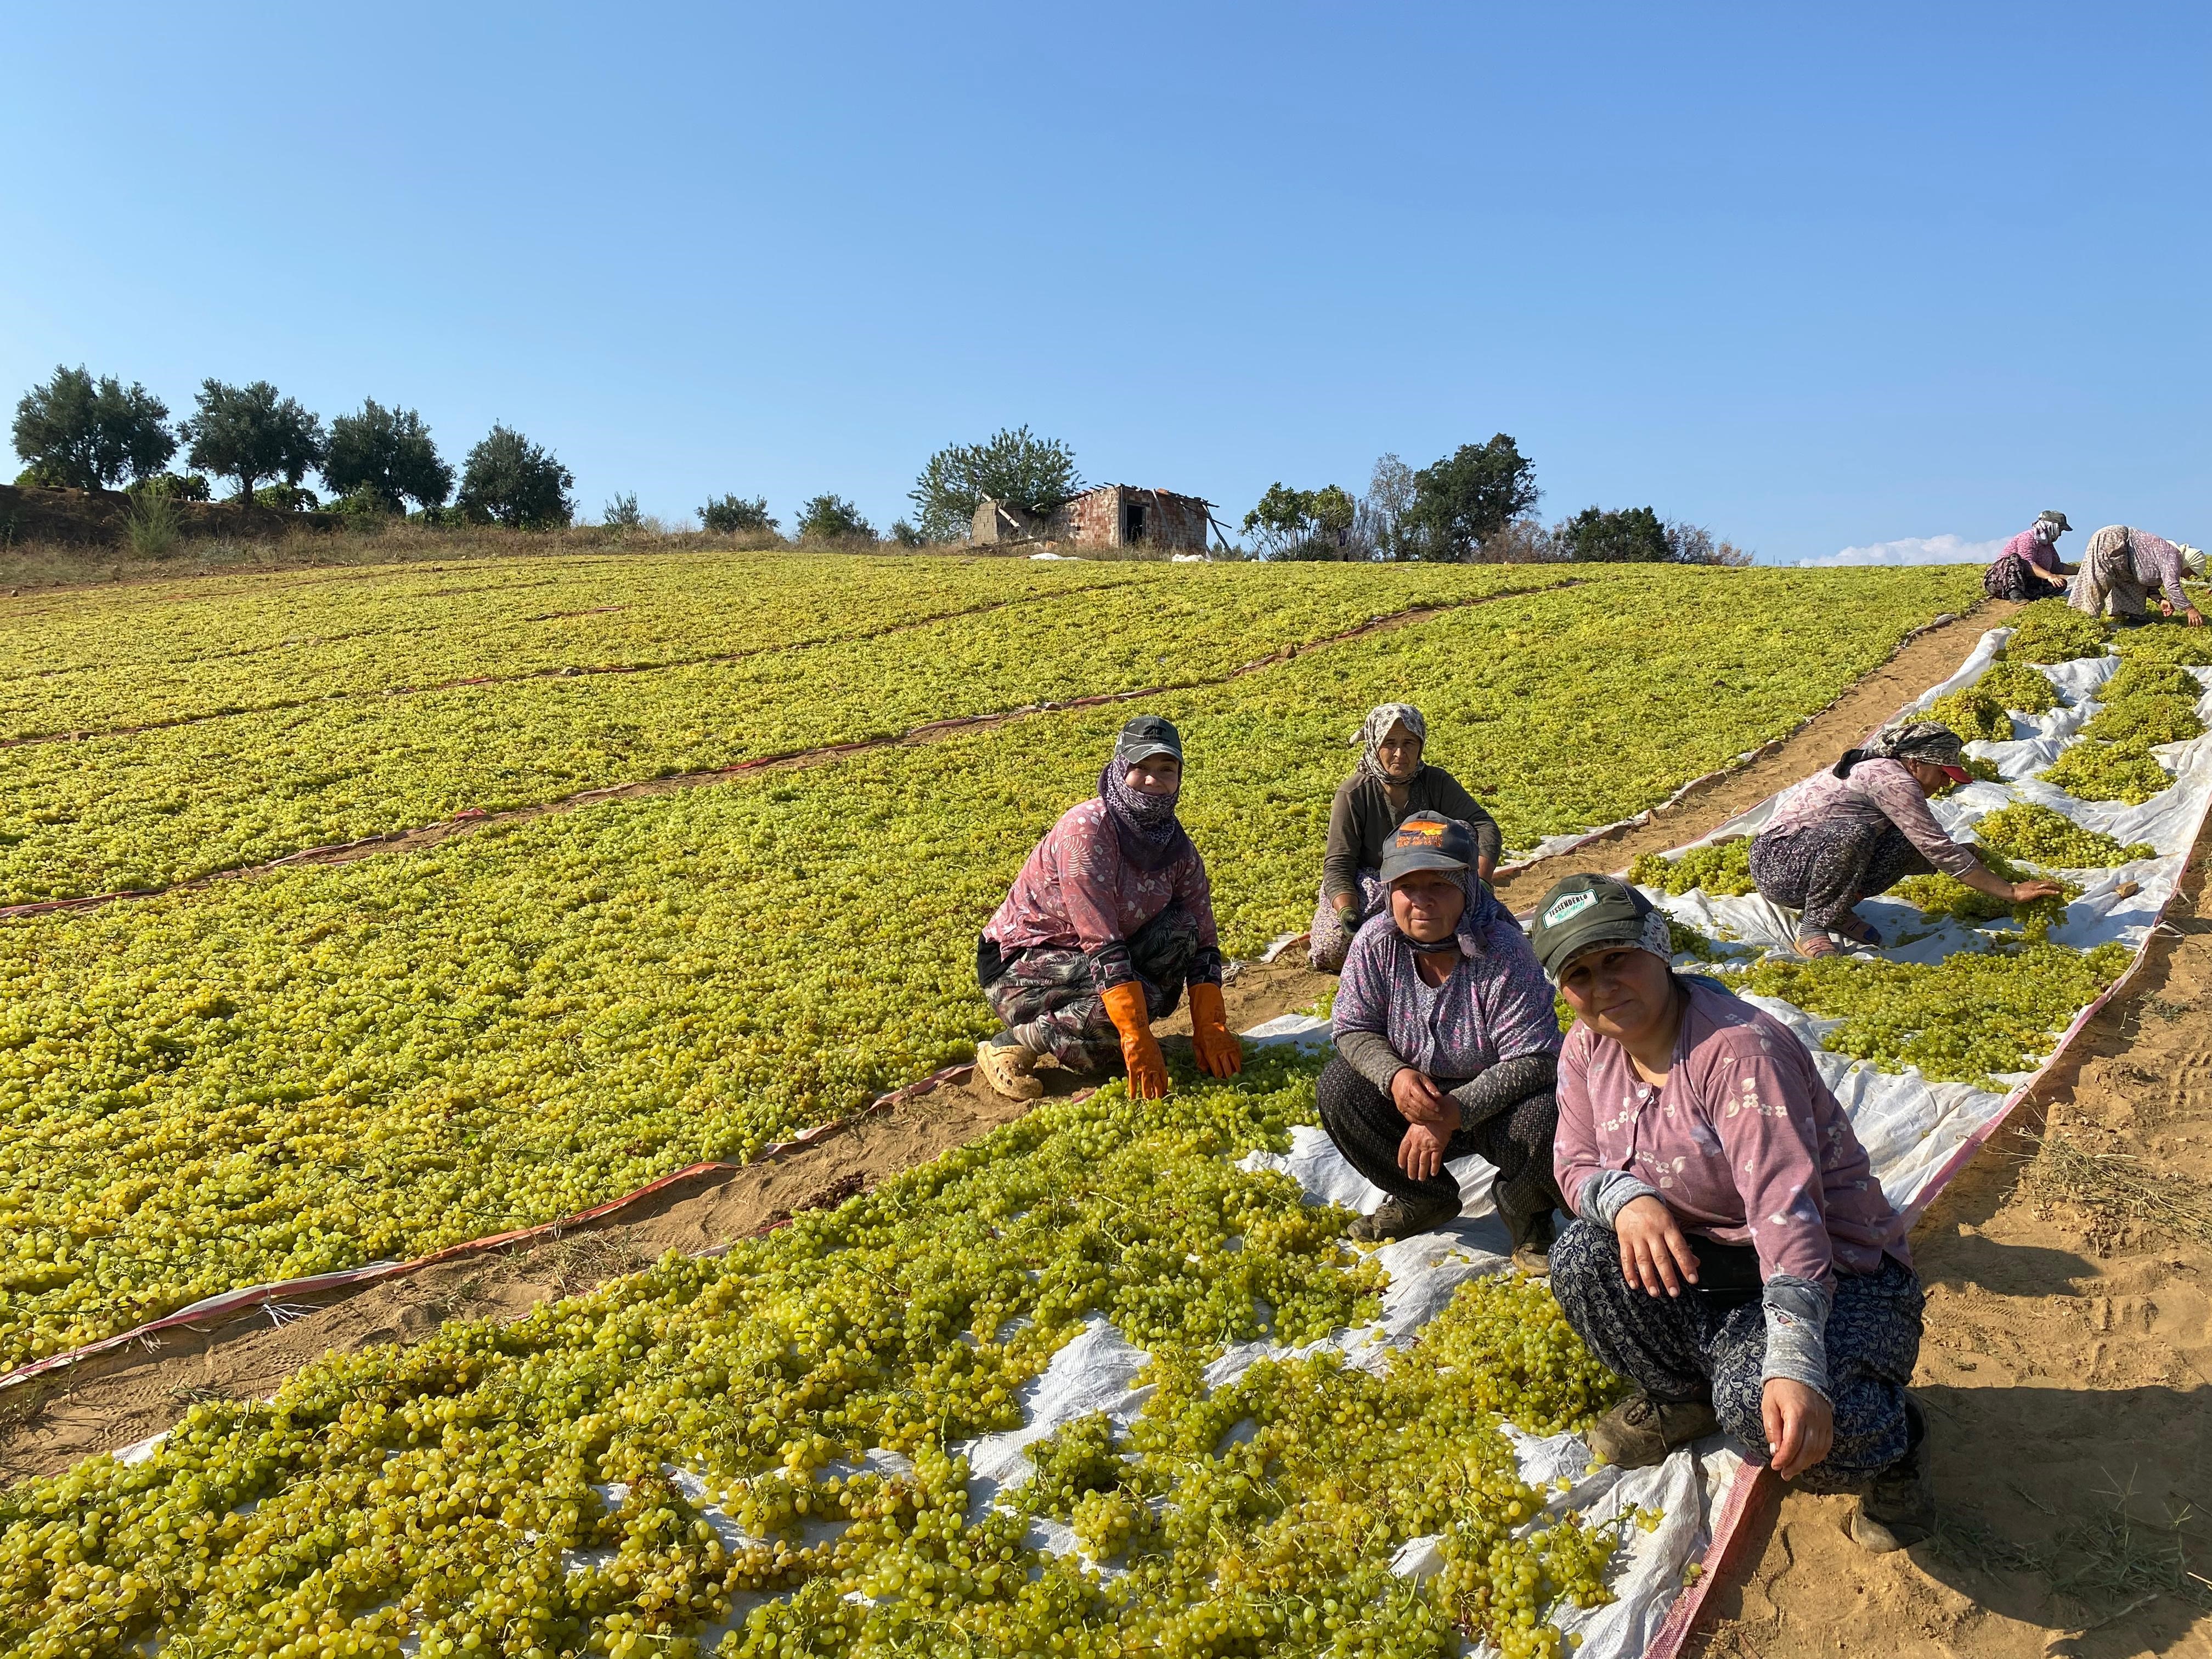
2102,1567
2119,1187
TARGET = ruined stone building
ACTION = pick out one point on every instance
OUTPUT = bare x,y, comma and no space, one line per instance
1112,515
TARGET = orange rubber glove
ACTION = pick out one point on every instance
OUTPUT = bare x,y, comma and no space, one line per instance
1219,1055
1140,1050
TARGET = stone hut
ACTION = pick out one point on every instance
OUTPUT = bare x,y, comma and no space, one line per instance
1112,515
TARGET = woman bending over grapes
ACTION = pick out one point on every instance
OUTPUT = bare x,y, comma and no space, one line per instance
1389,785
1446,1043
1110,919
1734,1255
1862,826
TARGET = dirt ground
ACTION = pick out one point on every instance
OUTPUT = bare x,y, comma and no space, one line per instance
2067,1363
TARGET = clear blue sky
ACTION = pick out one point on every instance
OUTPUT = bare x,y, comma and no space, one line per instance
1817,279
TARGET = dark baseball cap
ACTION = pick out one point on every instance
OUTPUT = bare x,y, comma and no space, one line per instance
1145,736
1582,913
1426,842
2052,515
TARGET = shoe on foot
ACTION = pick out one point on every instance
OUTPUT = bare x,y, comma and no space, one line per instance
1814,946
1009,1068
1531,1242
1640,1430
1398,1218
1899,1510
1857,929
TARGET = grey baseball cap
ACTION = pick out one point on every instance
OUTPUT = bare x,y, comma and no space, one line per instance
1146,735
1582,913
2051,515
1427,842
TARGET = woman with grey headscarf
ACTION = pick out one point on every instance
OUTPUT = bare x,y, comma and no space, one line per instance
1862,826
1390,784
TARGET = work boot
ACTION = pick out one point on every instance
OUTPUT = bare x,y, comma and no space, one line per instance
1398,1218
1531,1242
1899,1510
1009,1068
1640,1430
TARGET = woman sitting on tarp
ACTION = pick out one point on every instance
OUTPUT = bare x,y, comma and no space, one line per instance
1111,917
2122,567
1388,785
1862,826
1446,1040
1734,1255
2027,567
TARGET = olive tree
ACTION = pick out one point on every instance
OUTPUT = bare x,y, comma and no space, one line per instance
249,433
386,456
507,479
83,434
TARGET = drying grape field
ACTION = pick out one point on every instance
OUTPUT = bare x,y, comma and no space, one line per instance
352,916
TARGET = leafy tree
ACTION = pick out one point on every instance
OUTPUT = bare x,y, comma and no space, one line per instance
1036,474
81,433
906,535
385,455
832,517
248,433
622,513
728,514
508,480
1302,524
173,486
1633,535
1692,544
1377,527
1467,497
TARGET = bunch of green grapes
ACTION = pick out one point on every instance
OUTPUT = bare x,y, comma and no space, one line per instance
2126,772
1974,714
2145,719
1722,868
2143,676
2163,643
2016,686
1973,1014
1938,895
2044,836
2051,630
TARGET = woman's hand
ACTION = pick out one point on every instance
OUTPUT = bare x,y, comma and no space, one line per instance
1421,1152
1654,1251
2020,892
2196,618
1800,1425
1419,1100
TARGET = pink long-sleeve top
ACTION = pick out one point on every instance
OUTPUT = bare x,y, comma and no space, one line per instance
1874,789
1743,1141
2026,545
1077,888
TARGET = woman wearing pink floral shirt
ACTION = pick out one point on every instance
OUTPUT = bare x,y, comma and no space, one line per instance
1732,1255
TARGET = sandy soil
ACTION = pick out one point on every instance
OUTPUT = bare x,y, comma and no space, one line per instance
2067,1363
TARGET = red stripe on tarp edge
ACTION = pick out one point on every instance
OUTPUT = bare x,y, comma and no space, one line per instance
257,1295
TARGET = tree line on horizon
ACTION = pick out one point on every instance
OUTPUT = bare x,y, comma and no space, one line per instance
1476,504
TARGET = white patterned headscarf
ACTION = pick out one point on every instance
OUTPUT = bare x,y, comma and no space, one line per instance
1377,726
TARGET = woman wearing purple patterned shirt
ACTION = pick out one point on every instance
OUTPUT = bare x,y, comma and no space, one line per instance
1732,1255
1445,1042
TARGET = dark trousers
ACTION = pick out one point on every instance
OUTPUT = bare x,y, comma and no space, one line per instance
1046,996
1367,1126
1703,1344
1824,869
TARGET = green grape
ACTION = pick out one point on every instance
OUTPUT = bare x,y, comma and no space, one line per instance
2145,719
1722,868
2016,686
1974,714
2025,830
1973,1014
2126,772
2140,677
2051,630
2160,642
